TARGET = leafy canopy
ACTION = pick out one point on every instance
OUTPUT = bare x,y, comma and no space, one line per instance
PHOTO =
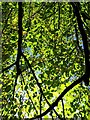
51,58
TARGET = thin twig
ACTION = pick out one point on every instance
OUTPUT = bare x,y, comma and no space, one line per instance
63,109
8,67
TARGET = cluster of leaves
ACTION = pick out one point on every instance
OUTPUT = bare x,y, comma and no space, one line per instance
50,45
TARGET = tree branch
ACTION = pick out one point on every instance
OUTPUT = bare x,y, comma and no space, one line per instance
63,109
85,43
20,15
38,83
59,97
8,67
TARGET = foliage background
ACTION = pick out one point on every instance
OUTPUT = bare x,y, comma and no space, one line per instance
56,56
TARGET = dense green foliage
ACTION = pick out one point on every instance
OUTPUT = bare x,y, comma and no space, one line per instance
52,44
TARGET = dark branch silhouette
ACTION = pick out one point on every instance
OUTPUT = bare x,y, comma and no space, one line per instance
85,43
59,97
63,109
8,67
20,15
38,83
